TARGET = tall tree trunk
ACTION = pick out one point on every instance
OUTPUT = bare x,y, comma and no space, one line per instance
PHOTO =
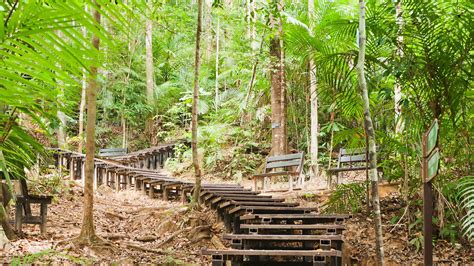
398,87
61,116
149,68
369,128
313,90
194,114
87,234
277,90
251,19
208,29
284,115
217,64
82,106
62,128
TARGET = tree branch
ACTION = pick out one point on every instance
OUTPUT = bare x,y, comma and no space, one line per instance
10,13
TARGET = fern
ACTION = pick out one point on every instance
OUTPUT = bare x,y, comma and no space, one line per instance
346,198
466,194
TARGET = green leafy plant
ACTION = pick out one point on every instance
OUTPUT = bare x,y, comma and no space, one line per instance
466,193
346,198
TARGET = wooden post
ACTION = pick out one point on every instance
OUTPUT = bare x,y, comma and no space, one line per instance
429,171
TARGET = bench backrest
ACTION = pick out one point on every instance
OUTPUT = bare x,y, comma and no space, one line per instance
24,192
285,161
351,156
111,152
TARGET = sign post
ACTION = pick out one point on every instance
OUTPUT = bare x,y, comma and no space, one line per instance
430,169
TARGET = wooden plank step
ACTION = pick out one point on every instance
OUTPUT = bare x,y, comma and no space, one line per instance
266,209
216,200
274,252
283,237
242,195
295,216
237,192
255,203
294,226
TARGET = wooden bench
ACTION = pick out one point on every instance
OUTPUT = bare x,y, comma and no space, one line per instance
23,213
113,152
290,165
348,160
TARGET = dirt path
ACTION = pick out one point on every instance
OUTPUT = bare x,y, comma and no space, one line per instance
140,229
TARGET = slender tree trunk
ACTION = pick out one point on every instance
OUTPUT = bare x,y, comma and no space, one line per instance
82,106
87,234
276,73
284,115
61,129
208,29
252,78
314,103
398,87
194,115
331,141
369,128
6,230
149,68
61,116
217,63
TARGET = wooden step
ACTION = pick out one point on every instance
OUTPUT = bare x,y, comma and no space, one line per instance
255,203
270,209
274,252
283,237
294,226
292,216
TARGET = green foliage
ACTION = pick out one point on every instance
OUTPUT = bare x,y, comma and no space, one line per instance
466,194
346,198
44,55
42,256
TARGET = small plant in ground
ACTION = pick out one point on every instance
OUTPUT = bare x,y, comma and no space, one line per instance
46,256
346,198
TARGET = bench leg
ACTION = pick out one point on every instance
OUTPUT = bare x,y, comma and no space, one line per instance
151,192
137,185
143,187
183,196
165,193
18,216
290,180
43,214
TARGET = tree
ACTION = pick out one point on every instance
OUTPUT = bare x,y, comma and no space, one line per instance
369,128
150,84
278,92
87,235
194,114
313,102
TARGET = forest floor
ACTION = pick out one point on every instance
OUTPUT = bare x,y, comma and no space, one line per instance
144,230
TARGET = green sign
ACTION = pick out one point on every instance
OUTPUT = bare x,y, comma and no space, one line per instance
433,165
432,137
